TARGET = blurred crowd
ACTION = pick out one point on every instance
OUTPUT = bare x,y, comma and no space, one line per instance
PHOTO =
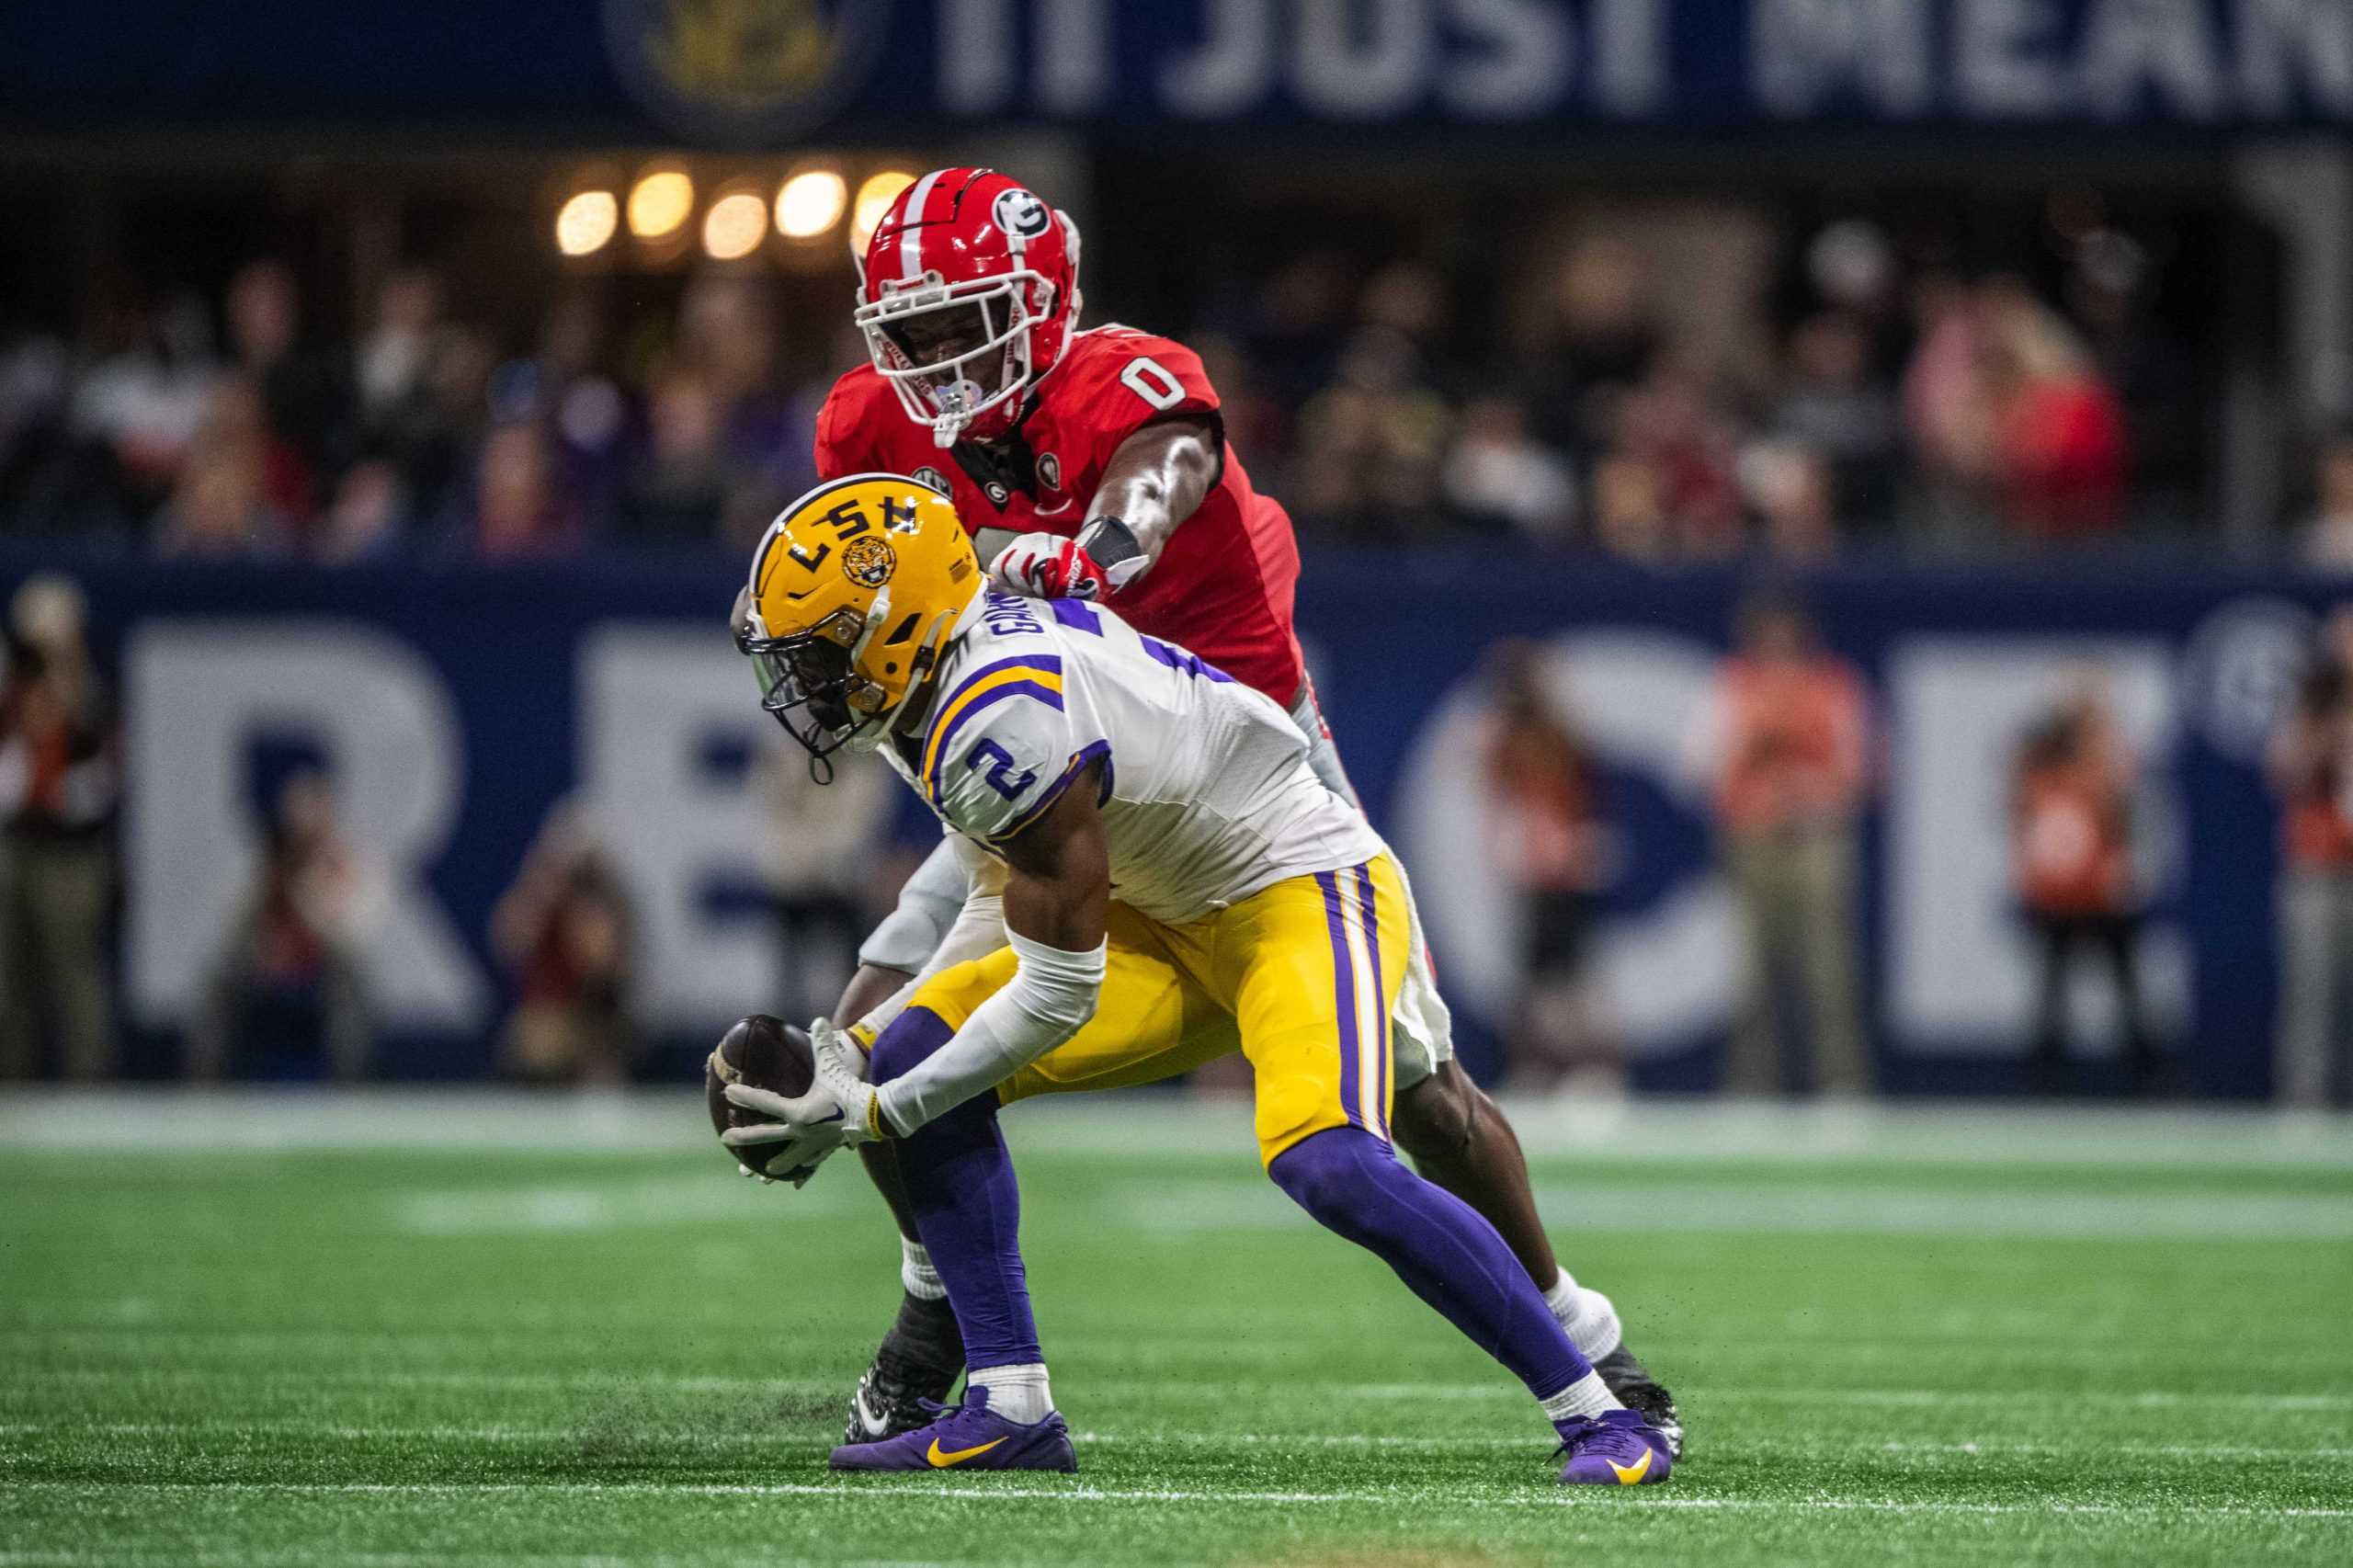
1660,392
1787,753
1666,418
231,428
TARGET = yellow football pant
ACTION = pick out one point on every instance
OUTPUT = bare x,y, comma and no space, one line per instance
1300,977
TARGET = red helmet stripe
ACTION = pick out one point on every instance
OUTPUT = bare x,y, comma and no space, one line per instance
911,227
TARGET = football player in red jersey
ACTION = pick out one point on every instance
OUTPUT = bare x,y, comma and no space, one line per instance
1093,464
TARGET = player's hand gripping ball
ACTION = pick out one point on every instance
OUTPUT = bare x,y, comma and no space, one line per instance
791,1133
766,1054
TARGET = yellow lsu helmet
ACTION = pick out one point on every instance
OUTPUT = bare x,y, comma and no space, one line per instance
855,588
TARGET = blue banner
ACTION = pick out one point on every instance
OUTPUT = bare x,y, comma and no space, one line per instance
454,711
759,74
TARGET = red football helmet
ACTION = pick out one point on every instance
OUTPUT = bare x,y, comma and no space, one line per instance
967,294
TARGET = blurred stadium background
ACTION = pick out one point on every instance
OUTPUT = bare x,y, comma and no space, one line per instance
1827,532
388,394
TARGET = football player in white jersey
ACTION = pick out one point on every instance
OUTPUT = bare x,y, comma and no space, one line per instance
1178,884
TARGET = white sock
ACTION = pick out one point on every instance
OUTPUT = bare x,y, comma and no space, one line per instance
1587,1396
1017,1393
916,1272
1590,1317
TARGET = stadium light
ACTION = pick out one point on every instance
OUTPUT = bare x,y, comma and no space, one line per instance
810,203
659,202
735,226
585,223
874,197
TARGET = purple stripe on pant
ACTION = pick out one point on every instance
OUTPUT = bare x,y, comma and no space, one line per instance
1344,982
1380,995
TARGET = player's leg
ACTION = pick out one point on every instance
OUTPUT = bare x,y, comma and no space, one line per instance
958,1181
1312,968
1458,1137
923,1354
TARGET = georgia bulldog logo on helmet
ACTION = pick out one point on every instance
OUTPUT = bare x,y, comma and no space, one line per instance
1019,213
968,293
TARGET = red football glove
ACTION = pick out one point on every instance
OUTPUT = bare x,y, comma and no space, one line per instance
1045,566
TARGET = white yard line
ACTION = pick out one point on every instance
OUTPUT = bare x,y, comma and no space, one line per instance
139,1339
1960,1134
930,1489
2153,1399
229,1427
1808,1209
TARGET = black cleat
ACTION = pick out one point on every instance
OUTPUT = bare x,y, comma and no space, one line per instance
1637,1390
920,1359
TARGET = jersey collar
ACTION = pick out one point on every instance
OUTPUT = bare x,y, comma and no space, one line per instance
1002,469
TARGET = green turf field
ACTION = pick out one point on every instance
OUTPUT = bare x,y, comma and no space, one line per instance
2066,1340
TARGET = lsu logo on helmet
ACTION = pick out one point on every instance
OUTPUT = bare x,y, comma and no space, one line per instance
842,623
869,562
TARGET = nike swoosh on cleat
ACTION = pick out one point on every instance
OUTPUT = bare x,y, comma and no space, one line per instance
957,1455
877,1422
1628,1474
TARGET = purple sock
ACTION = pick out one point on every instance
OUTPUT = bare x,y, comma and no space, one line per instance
1444,1251
968,1206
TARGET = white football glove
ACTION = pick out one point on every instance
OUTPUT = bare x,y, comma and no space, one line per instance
1102,558
839,1112
1046,566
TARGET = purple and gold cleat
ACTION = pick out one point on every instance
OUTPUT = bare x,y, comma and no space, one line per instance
967,1437
1617,1447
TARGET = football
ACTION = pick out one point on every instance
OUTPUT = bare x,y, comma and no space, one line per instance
767,1054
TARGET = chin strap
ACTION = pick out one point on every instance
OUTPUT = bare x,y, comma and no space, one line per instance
926,659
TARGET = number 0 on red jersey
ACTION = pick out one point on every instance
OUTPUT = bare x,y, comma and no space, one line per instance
1225,585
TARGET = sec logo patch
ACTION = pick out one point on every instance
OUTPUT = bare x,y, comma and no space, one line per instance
1050,471
931,479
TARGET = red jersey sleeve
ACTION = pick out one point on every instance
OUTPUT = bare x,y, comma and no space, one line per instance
1126,380
843,445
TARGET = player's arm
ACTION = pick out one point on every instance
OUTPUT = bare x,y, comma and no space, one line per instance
1156,479
1057,887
